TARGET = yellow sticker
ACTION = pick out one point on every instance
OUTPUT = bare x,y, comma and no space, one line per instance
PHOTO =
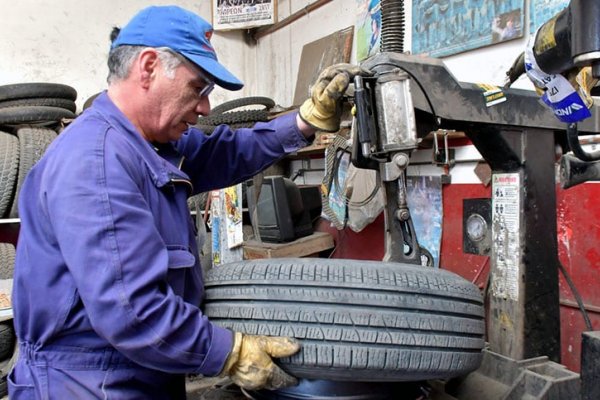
492,94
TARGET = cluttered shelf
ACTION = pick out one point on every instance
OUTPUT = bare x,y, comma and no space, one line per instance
320,144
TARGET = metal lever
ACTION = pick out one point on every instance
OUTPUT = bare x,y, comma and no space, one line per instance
366,127
364,116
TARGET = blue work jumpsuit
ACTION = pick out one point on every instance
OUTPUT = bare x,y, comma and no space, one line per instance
107,283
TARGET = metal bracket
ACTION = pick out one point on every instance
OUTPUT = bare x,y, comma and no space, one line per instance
442,155
393,170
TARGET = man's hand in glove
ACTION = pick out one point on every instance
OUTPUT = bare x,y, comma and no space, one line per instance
323,109
250,365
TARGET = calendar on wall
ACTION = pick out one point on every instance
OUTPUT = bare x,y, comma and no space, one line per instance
243,14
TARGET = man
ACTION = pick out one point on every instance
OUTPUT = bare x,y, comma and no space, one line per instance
107,279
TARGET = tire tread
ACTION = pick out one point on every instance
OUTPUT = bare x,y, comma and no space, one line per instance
366,320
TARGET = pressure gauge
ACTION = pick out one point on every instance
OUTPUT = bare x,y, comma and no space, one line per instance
476,227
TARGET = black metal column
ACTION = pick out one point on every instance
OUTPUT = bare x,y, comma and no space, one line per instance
524,320
515,136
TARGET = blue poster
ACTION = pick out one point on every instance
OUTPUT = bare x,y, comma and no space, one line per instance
444,27
367,28
541,11
424,195
337,200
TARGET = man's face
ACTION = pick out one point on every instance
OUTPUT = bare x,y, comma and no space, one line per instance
178,102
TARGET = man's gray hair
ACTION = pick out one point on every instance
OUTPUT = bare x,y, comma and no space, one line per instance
121,58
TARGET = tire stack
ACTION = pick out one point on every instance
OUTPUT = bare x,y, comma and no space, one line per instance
45,104
31,114
247,116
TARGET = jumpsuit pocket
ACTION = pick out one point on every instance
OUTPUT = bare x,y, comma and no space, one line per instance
180,263
19,391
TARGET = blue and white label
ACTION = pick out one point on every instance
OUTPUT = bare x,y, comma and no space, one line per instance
571,109
559,94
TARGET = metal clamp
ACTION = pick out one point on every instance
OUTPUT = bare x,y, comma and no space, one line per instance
442,156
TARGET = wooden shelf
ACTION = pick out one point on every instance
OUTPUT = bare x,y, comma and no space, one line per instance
306,246
310,150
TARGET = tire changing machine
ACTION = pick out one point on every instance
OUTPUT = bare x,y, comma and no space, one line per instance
409,97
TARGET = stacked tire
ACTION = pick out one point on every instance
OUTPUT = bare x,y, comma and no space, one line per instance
31,114
36,103
18,153
7,332
239,113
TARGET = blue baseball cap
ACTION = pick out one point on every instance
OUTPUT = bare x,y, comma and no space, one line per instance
182,31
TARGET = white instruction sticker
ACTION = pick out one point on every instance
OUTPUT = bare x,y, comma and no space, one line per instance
506,223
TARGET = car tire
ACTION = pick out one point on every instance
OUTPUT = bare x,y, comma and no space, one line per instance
33,143
7,339
41,101
357,320
234,117
244,102
33,115
41,89
7,264
9,167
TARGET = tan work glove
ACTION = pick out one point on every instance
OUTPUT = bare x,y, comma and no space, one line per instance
582,81
250,365
323,109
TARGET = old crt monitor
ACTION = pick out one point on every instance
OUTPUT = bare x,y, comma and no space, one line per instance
281,213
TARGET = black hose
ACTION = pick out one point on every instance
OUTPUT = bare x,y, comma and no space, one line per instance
573,140
392,26
586,318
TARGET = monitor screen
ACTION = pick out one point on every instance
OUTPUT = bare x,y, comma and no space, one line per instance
280,212
266,206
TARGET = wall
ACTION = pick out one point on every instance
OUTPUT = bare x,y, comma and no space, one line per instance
67,41
278,54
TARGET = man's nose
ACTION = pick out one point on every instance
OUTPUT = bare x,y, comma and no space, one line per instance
203,107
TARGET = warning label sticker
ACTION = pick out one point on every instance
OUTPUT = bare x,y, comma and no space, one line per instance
506,242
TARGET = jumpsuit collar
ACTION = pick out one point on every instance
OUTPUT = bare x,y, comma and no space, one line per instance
156,157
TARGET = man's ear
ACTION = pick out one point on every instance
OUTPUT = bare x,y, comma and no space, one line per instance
147,66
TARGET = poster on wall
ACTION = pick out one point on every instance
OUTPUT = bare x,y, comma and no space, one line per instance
243,14
445,27
541,11
367,28
424,195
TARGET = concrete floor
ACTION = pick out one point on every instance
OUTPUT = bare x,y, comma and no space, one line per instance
199,388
